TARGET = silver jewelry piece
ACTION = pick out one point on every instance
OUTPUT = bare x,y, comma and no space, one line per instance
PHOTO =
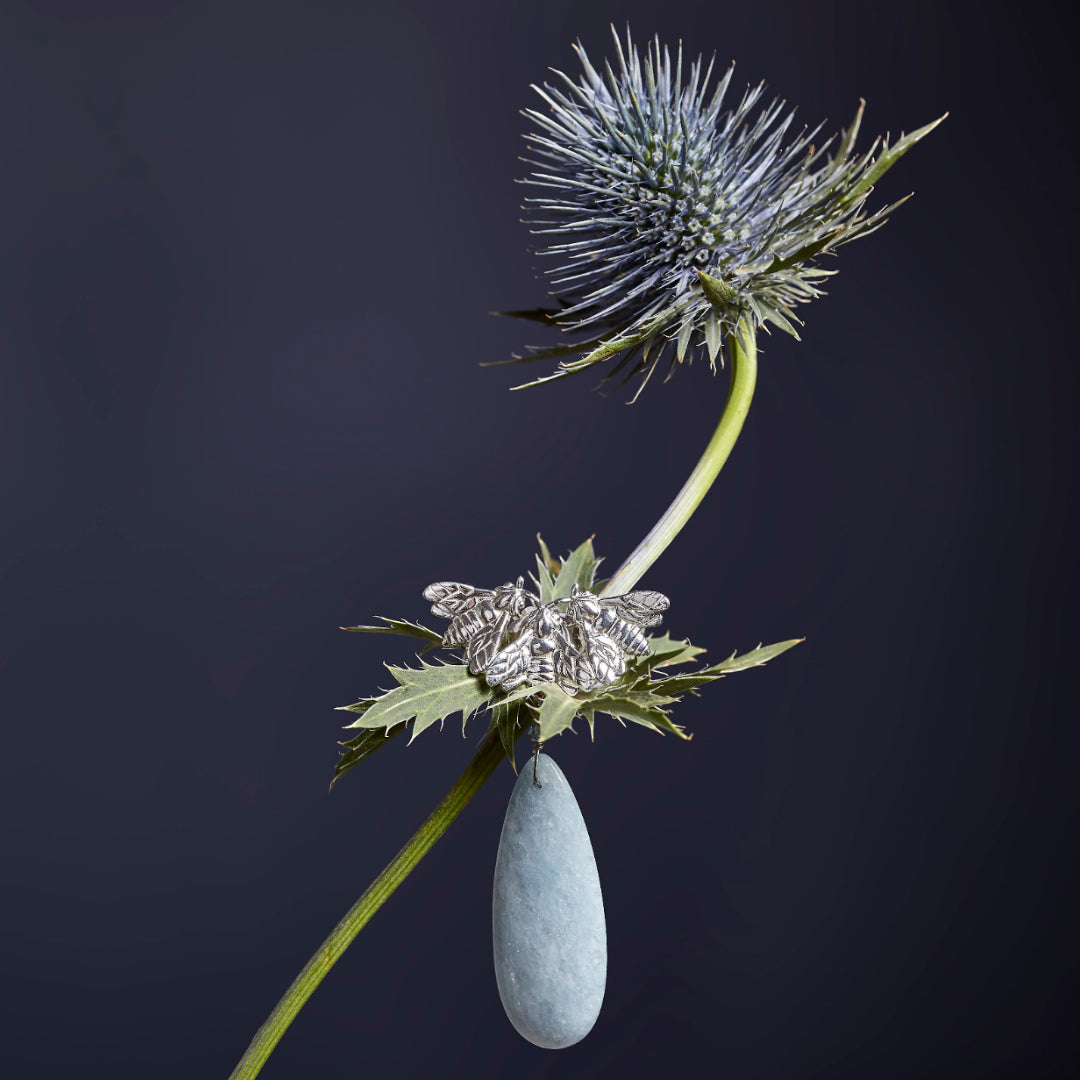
577,641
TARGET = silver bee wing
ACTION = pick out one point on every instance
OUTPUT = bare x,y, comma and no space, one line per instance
451,598
555,656
602,661
478,617
644,607
485,642
510,667
462,627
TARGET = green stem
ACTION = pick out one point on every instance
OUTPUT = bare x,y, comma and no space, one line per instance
743,378
266,1038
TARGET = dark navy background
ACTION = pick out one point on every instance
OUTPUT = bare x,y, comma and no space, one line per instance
247,253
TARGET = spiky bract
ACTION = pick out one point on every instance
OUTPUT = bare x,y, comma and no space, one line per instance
677,223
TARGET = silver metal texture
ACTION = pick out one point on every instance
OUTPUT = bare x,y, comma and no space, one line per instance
579,642
479,617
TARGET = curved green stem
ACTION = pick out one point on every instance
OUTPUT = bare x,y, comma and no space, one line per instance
743,378
468,784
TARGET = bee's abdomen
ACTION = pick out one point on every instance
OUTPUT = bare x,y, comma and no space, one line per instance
629,636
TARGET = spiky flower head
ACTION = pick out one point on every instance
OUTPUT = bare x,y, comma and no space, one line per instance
677,223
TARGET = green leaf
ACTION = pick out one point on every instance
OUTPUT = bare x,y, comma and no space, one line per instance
754,658
605,351
526,690
360,747
666,651
426,695
848,137
557,712
630,706
578,568
782,322
590,719
645,698
890,155
510,719
539,352
546,568
399,626
543,380
600,350
686,330
680,684
714,336
718,292
550,561
806,252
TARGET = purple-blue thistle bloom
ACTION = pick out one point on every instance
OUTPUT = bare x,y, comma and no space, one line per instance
675,223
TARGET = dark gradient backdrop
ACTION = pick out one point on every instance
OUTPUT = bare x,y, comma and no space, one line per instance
247,253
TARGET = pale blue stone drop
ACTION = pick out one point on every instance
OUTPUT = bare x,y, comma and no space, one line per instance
548,913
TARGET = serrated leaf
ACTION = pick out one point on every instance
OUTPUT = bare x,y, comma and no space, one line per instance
578,568
426,695
808,251
509,720
590,719
543,352
685,331
557,712
680,684
399,626
630,707
549,560
546,568
890,155
666,651
647,699
778,319
360,747
714,336
628,339
848,137
754,658
605,350
526,690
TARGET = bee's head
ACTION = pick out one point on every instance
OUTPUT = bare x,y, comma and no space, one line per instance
584,601
512,597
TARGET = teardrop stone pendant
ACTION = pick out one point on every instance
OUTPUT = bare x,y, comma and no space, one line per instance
548,913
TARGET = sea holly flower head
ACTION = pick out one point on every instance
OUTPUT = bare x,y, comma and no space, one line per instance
676,222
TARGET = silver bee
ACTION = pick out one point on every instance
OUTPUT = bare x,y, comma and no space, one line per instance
577,642
479,618
606,627
541,649
620,618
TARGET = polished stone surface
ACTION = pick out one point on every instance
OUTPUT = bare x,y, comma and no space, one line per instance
548,913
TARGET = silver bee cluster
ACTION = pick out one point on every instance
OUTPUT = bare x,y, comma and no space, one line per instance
579,642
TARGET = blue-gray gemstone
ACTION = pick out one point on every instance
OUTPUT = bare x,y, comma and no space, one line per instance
548,914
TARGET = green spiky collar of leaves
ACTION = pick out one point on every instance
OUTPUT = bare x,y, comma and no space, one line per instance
429,694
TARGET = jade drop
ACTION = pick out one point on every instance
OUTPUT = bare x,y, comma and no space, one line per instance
548,913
